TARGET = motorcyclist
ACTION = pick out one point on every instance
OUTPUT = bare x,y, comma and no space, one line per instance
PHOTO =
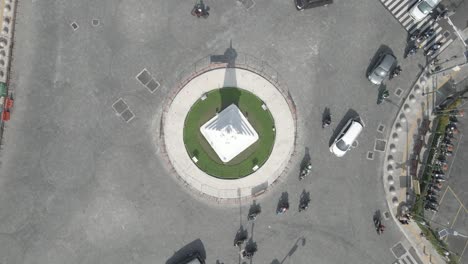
327,121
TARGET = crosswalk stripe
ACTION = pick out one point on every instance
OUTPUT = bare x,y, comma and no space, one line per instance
390,7
408,20
402,4
405,8
404,17
400,11
418,25
386,2
445,45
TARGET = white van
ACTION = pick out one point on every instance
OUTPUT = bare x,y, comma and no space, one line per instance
346,137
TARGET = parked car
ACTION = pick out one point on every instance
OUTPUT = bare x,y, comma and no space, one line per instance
422,8
346,137
304,4
382,68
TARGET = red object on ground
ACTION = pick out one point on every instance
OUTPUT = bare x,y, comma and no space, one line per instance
8,103
5,116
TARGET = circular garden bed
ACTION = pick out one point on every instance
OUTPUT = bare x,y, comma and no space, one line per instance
251,107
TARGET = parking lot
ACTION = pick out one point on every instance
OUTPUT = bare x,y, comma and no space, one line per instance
451,221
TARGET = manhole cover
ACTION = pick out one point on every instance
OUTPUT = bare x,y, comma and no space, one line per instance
398,250
95,22
386,215
152,85
74,25
398,92
380,145
370,155
380,128
119,106
144,77
446,34
355,144
127,115
247,3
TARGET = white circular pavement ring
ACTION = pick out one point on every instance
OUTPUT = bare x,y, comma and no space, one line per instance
283,148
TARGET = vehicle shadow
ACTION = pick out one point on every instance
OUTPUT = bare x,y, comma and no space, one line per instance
306,159
381,50
351,113
255,208
304,198
377,219
191,249
283,201
326,114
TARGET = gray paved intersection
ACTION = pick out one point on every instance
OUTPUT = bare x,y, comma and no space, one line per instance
80,185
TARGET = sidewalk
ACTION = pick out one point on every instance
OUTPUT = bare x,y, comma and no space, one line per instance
409,136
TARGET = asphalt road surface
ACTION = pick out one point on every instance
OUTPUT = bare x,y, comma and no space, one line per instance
80,185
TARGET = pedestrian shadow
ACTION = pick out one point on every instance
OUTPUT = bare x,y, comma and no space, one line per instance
299,242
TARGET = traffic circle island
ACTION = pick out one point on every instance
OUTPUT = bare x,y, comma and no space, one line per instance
229,133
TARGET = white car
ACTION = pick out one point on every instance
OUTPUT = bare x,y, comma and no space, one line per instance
347,136
422,8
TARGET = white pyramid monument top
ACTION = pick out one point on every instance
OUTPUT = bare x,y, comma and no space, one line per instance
229,133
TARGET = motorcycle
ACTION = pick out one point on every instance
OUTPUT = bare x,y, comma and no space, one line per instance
396,72
415,35
433,209
252,216
435,187
199,10
240,240
432,50
382,96
247,254
438,180
440,163
443,14
453,119
447,148
432,204
303,207
305,171
429,33
441,178
282,209
379,226
447,140
326,121
447,153
432,200
412,51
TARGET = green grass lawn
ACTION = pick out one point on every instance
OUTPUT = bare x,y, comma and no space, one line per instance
251,107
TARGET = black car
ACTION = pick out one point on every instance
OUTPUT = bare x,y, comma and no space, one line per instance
304,4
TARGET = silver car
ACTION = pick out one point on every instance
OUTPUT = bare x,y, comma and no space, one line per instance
382,68
422,8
